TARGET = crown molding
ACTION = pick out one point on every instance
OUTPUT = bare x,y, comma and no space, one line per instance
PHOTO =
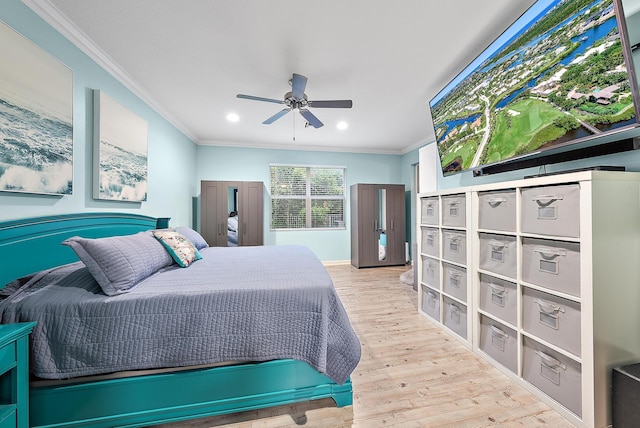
76,36
299,147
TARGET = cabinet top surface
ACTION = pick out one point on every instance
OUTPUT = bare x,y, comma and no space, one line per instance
544,180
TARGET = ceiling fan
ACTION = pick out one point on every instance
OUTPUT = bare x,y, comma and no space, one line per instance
297,100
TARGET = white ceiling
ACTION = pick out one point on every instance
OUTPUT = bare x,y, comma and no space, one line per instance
189,58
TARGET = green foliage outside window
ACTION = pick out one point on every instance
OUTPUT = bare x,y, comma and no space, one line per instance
307,197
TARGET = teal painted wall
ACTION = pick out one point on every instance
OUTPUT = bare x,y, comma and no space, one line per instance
409,162
171,156
252,164
176,163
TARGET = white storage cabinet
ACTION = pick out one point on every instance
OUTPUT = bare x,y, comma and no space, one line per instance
549,286
444,294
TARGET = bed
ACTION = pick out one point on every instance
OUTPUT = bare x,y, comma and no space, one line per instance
150,380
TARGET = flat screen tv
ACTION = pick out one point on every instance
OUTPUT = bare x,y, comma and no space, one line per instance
561,74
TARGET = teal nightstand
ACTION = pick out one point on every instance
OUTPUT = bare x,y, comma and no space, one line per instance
14,374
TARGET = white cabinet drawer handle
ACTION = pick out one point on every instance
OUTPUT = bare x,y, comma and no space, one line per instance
498,331
497,245
550,252
547,198
497,289
496,201
549,361
548,307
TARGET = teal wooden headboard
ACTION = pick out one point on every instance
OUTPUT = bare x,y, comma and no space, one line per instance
32,244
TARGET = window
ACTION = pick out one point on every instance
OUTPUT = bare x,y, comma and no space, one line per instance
307,197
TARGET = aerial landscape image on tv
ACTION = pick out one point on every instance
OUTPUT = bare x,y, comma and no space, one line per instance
560,76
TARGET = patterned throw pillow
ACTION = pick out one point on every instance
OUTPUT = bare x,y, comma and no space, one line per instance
181,249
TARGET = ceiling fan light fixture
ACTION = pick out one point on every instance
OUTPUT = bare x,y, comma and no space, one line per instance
297,100
233,117
342,125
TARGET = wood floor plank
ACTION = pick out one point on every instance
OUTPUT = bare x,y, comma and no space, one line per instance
411,374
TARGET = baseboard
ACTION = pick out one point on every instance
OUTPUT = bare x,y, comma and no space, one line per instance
336,262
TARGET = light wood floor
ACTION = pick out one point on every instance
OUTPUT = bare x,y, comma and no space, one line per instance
412,374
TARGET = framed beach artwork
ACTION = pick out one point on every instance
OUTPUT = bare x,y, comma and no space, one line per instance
36,118
119,151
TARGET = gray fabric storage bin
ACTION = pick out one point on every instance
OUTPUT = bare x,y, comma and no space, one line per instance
556,375
431,241
498,254
499,298
454,316
454,210
431,303
551,210
430,210
552,318
552,264
454,281
431,271
499,342
497,210
454,246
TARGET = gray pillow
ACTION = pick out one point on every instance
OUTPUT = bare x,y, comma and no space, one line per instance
119,262
193,236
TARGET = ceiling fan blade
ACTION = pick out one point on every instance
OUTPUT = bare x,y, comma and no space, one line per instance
331,104
310,117
251,97
277,116
298,84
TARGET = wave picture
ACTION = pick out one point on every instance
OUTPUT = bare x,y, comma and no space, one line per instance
123,174
36,108
120,166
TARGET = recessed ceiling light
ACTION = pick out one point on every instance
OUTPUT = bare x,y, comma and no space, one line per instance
232,117
342,125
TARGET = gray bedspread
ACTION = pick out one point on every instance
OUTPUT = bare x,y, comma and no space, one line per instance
236,304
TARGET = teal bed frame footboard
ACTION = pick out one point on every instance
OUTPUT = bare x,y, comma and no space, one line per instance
33,244
140,401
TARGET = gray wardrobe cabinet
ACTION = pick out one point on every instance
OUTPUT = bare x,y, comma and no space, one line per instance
377,225
219,198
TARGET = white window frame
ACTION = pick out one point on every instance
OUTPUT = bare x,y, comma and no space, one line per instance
309,198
